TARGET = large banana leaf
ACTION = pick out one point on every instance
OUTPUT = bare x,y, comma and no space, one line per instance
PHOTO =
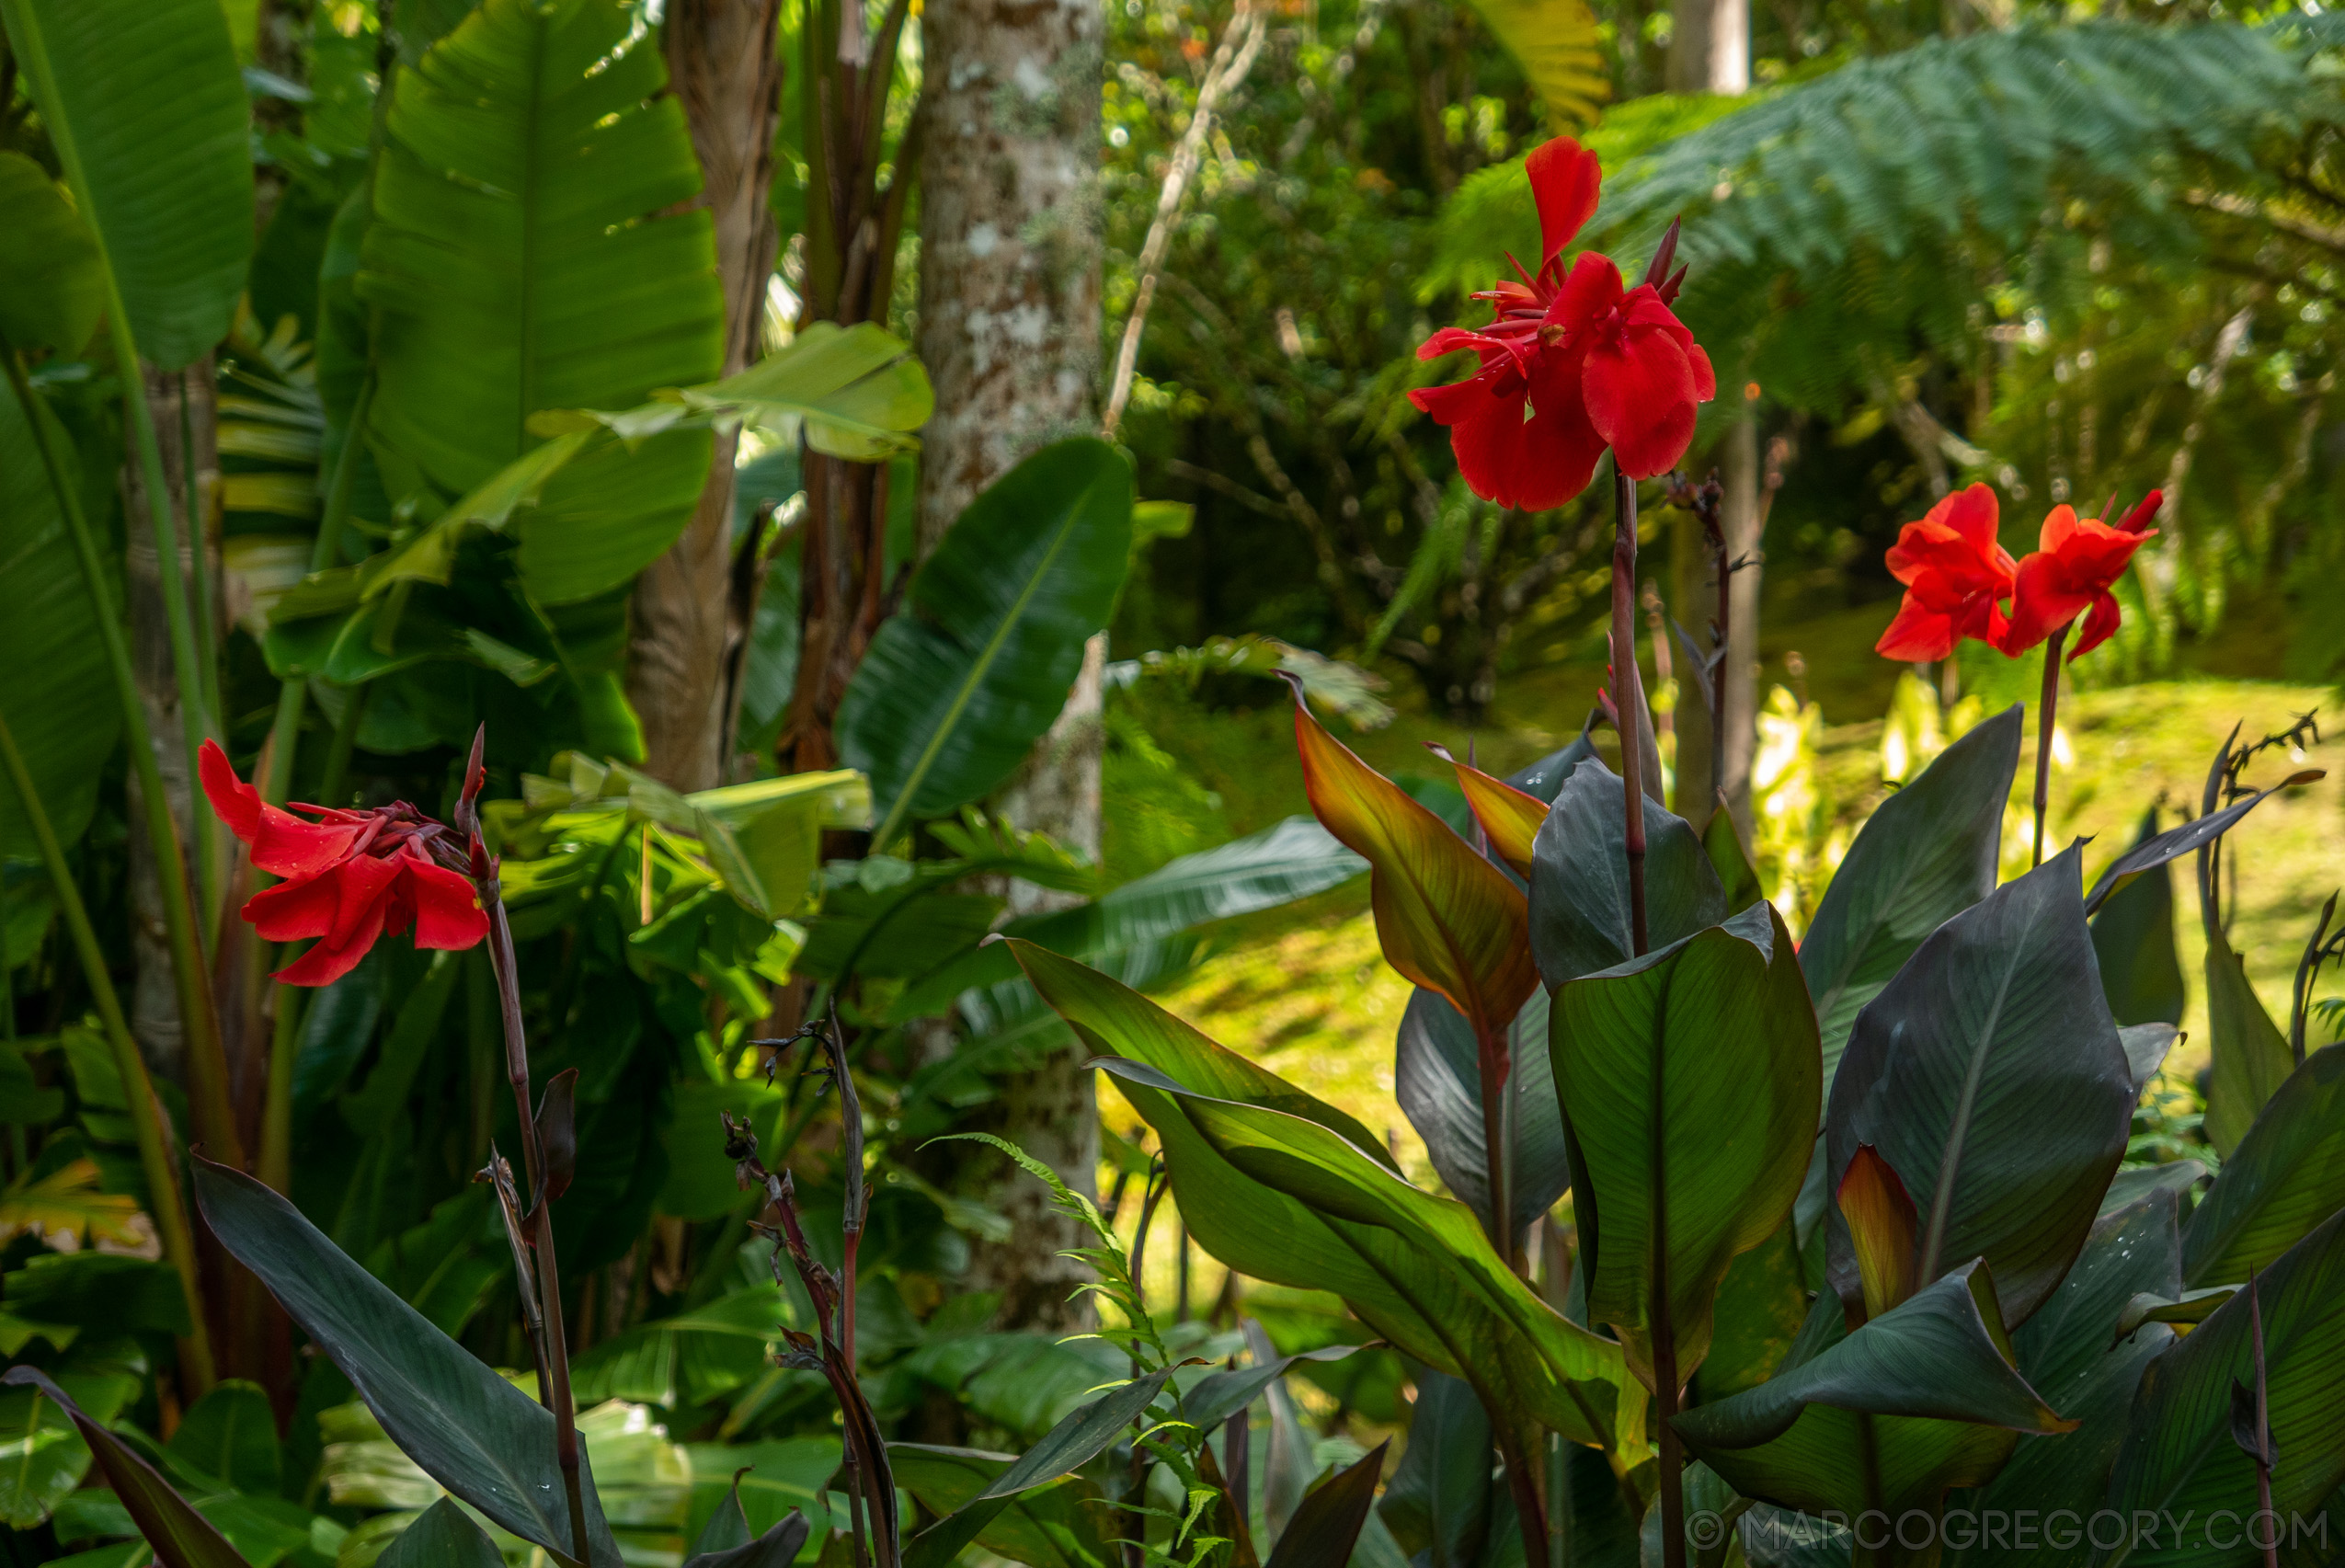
532,248
145,106
1991,1077
2067,1354
2286,1177
1920,1399
2179,1454
1690,1081
958,684
1579,900
1285,1187
52,283
469,1429
59,698
1927,856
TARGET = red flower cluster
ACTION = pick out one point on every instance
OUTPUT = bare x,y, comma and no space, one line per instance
1572,364
1957,578
350,877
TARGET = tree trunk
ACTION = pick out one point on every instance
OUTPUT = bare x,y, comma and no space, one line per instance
1738,466
1709,51
155,998
723,69
1009,331
1709,47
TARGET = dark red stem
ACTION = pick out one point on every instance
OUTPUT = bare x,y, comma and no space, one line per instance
1628,693
2045,708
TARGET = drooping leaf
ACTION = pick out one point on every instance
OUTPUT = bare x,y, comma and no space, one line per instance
52,281
1723,843
1579,898
2068,1353
958,684
1991,1076
1287,1188
1927,856
60,703
1653,1060
1327,1523
1446,918
1222,1395
445,1537
533,162
144,104
2283,1178
1919,1399
1438,1503
1437,1080
469,1429
2134,939
2154,849
2179,1454
2250,1058
857,391
181,1537
1559,49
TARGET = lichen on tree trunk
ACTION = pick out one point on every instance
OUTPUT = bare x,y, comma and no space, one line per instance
723,70
1010,332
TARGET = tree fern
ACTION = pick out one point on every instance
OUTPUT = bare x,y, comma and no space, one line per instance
1851,203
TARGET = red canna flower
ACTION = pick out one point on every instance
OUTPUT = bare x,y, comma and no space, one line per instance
2070,573
350,877
1572,364
1955,577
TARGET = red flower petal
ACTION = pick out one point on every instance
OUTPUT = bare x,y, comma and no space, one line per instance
1592,289
1917,633
287,846
292,911
330,959
235,802
1565,178
2137,520
2043,600
447,906
2101,624
1639,391
362,888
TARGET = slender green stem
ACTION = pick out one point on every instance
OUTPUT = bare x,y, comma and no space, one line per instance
200,588
195,716
199,1020
1628,694
276,1166
333,786
168,1211
2046,710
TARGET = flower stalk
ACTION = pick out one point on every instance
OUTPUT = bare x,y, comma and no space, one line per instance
1628,695
2046,708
